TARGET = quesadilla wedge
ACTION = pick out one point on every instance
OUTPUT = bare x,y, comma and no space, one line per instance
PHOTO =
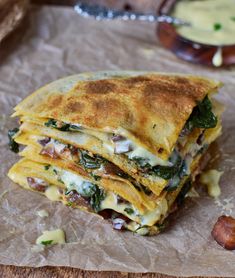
133,139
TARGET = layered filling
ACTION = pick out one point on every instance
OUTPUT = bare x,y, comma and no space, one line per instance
150,165
58,184
67,169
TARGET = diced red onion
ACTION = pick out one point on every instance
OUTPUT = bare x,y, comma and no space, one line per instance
37,184
122,147
45,141
118,223
75,198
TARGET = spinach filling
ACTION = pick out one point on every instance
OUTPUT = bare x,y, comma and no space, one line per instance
90,192
172,173
201,117
129,210
61,125
90,162
96,198
179,170
12,143
168,172
142,162
47,242
185,189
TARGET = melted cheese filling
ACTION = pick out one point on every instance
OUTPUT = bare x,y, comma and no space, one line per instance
52,193
137,151
83,186
211,179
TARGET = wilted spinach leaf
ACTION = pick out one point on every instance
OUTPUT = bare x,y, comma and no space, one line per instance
202,116
168,172
54,124
142,162
129,210
90,162
47,242
12,143
61,125
96,199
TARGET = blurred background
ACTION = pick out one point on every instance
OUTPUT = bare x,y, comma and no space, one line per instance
133,5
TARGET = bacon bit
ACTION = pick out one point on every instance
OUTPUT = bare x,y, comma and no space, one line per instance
37,184
44,141
73,150
111,169
49,151
76,199
224,232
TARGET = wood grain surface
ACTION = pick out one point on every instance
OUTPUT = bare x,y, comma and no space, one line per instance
65,272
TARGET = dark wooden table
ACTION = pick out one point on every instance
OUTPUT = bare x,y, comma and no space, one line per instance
65,272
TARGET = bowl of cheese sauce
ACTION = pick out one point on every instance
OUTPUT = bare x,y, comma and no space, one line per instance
210,36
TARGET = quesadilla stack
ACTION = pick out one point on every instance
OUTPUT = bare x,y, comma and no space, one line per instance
124,145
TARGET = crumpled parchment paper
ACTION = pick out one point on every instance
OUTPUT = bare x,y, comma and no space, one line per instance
55,43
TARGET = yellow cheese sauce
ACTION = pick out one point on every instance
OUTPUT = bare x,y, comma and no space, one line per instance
217,59
51,237
52,193
212,21
42,213
211,180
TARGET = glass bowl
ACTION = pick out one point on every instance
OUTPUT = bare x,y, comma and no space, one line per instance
199,53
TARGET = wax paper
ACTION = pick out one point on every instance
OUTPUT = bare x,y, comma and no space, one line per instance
54,43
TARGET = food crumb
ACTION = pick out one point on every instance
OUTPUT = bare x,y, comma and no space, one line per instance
42,213
51,237
148,53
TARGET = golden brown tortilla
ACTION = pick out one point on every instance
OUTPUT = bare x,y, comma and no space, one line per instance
151,109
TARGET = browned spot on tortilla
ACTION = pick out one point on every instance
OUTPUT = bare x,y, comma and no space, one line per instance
159,88
182,80
55,101
72,107
108,108
99,87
